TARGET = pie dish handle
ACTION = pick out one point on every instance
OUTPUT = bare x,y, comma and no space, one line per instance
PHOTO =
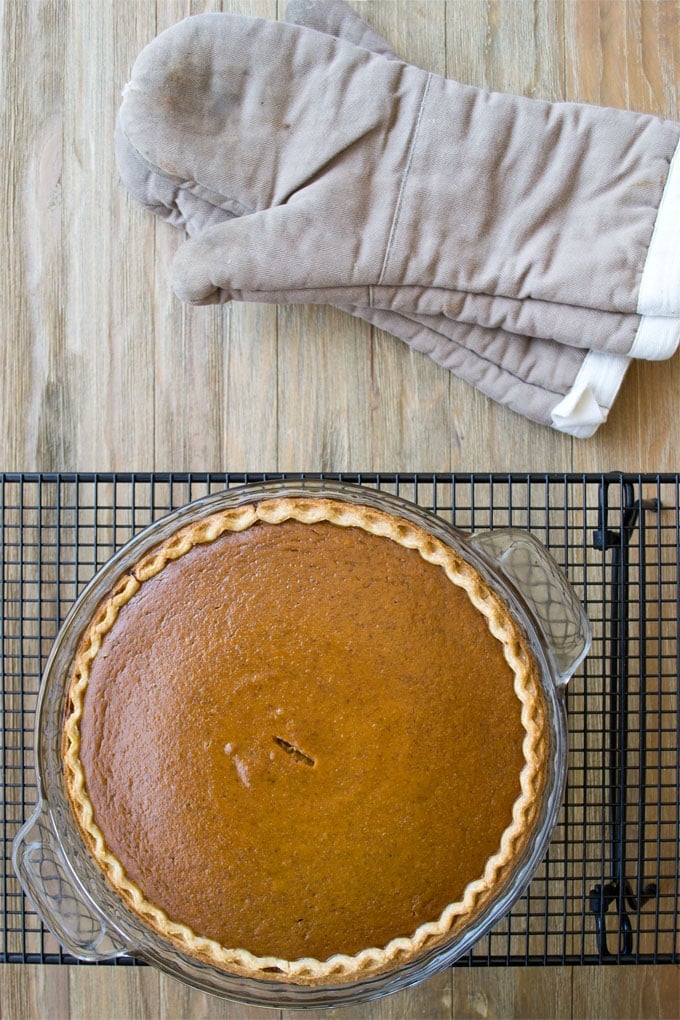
56,894
528,565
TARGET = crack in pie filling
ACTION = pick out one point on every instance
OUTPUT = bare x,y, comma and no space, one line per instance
304,740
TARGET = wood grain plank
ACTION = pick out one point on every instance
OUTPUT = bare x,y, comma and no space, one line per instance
61,306
34,992
32,289
107,370
613,993
652,70
180,1002
112,993
626,53
430,1000
324,395
525,993
251,402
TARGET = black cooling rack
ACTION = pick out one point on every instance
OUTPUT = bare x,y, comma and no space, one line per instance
608,890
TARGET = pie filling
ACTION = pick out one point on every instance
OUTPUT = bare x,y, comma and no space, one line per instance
304,740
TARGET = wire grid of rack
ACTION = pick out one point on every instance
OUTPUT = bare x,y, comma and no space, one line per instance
608,889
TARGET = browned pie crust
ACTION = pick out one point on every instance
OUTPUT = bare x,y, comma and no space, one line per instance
309,721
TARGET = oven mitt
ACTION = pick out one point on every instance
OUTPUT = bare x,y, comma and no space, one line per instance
646,336
547,382
634,335
572,392
398,179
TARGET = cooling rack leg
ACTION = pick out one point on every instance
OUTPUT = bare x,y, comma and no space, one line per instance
618,891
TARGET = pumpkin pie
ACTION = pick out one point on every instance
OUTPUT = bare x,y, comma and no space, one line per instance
304,740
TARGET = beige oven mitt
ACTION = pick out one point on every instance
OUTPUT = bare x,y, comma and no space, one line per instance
545,381
570,390
549,383
401,186
651,337
426,332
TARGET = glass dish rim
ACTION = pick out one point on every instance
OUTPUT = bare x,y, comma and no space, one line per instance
136,939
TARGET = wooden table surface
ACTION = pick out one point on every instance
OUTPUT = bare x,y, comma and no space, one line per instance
102,368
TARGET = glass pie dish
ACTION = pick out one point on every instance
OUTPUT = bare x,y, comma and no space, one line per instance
67,886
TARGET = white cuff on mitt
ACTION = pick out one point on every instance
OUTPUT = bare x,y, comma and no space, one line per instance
587,404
